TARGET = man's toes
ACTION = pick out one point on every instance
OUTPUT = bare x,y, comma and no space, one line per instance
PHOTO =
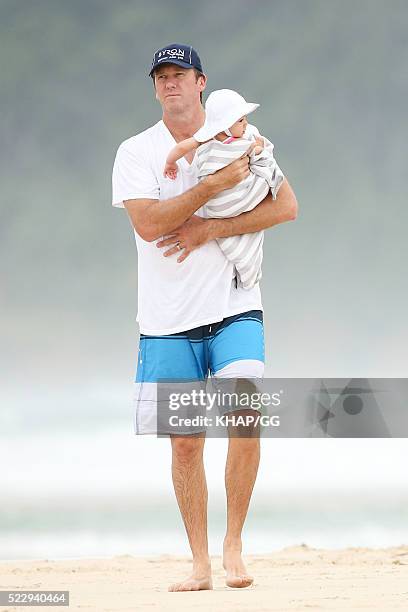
247,579
239,580
189,587
174,587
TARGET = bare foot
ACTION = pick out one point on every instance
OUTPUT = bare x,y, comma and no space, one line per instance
199,580
237,575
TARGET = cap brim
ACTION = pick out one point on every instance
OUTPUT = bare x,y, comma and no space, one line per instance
170,61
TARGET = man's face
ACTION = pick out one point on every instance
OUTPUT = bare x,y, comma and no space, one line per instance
177,87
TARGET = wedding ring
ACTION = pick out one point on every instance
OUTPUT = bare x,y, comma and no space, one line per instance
178,245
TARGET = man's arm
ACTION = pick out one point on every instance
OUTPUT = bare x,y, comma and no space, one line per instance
197,231
154,218
266,214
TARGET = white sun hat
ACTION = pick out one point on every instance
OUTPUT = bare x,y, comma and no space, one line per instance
223,108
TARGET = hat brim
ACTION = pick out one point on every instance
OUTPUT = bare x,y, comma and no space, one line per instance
208,130
171,61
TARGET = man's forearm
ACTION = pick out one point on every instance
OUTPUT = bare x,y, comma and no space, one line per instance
167,215
155,218
266,214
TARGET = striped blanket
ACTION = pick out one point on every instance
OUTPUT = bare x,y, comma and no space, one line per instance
244,251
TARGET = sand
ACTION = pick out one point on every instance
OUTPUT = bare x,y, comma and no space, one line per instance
295,578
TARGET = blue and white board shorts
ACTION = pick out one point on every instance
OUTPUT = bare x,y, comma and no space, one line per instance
231,348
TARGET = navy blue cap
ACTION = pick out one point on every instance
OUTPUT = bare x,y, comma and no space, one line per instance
182,55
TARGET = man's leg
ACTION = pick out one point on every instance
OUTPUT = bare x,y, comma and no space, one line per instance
240,474
237,352
190,487
176,357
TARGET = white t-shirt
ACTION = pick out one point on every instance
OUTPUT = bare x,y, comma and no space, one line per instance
174,297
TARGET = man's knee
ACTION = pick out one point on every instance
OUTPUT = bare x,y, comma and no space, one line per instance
187,448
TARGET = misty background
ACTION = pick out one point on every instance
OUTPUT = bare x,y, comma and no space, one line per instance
331,79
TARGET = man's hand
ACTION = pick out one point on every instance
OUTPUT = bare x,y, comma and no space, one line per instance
194,232
232,174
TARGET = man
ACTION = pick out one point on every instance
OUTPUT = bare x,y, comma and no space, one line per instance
193,318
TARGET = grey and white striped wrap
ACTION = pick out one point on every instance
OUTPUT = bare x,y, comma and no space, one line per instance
244,251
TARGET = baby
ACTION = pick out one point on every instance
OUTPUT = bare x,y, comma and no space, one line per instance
226,136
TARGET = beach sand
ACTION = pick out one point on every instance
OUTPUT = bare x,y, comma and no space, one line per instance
295,578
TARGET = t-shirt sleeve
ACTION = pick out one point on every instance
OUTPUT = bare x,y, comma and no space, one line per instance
132,176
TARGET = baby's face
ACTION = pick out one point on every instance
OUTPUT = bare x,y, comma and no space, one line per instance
239,127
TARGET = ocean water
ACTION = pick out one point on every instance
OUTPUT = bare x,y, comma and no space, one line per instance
72,486
52,532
